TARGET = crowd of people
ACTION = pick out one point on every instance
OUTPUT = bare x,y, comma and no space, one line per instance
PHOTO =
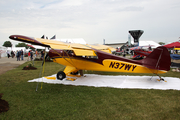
172,51
19,54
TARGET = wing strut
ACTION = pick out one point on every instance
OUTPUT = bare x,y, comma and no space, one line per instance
65,58
68,70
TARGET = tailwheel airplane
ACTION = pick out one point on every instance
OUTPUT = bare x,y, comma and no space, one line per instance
141,51
78,57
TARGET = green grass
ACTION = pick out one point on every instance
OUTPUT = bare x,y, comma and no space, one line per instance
56,101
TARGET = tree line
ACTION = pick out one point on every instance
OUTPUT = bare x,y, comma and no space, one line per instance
9,44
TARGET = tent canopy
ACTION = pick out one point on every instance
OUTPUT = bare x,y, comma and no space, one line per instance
15,48
141,47
173,45
147,43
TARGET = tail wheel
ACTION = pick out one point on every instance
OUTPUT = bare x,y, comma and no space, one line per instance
61,75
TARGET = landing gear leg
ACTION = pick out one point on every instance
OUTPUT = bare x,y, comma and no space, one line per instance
151,77
81,72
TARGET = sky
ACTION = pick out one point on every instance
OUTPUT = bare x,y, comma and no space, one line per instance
92,20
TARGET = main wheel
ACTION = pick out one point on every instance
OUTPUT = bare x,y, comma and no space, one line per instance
61,75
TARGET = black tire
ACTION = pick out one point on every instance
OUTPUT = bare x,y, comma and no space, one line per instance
60,75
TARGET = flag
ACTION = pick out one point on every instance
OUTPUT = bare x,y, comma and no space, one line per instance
42,37
54,37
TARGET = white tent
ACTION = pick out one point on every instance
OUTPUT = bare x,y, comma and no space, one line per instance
72,40
38,47
16,48
3,51
147,43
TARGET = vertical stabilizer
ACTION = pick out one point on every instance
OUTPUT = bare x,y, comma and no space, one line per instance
159,59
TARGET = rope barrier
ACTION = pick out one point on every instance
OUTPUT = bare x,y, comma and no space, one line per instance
41,72
43,69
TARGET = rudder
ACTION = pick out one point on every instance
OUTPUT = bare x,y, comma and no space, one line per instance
159,59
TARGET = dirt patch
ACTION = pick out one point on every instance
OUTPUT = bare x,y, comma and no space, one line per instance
4,105
29,68
7,66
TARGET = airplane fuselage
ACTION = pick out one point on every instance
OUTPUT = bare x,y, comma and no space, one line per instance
101,62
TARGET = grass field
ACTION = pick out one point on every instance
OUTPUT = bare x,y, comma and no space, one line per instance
55,101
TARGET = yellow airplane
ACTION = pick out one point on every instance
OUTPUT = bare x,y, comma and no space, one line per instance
78,57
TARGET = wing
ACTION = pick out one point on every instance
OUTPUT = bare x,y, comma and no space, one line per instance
79,49
104,48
